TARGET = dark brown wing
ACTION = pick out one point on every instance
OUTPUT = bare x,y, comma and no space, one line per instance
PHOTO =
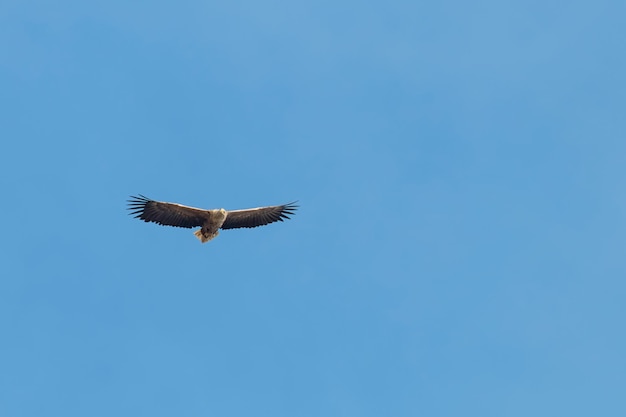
258,216
167,214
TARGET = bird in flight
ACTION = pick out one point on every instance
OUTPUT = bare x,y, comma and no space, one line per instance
209,221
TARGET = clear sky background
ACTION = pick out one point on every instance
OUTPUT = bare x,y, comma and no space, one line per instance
460,245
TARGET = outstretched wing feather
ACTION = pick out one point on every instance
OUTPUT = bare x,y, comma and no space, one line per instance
258,216
166,214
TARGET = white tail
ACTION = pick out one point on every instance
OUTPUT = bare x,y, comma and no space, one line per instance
203,238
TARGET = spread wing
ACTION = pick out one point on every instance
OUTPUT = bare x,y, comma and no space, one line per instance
258,216
167,214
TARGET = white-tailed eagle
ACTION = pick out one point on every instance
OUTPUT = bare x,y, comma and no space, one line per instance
209,221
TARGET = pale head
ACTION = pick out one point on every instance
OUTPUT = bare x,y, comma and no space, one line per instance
219,215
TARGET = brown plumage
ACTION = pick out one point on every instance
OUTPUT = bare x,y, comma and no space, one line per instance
209,221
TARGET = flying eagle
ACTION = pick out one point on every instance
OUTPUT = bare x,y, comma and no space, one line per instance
177,215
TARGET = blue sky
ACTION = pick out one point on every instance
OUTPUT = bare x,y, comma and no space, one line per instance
459,249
